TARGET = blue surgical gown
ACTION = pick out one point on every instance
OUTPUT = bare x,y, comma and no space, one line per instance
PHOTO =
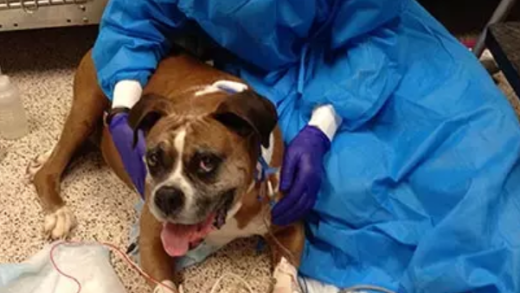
422,183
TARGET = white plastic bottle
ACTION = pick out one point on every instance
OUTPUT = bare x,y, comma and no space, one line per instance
13,119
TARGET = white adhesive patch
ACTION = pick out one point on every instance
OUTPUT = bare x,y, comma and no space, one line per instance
222,85
230,86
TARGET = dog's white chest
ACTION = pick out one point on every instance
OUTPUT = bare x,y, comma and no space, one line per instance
230,231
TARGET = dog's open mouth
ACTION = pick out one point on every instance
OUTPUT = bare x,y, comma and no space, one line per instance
177,239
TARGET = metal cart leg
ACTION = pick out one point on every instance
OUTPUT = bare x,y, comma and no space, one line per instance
499,14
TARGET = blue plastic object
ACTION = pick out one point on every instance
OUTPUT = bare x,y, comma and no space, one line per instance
422,183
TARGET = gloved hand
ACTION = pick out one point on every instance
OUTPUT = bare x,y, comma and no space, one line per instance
132,158
301,175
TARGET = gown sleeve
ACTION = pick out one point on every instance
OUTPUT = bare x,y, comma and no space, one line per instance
134,36
355,76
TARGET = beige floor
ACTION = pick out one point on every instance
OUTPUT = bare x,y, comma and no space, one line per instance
42,65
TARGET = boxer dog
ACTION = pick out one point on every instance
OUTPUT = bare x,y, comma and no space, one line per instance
204,183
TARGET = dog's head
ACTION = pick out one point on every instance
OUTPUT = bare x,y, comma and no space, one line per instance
200,164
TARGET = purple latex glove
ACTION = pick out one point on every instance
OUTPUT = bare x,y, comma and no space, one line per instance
301,175
123,136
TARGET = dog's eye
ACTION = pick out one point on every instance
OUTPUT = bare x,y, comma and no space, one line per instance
207,164
152,159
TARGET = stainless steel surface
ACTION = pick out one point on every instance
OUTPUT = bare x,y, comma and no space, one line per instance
33,14
34,4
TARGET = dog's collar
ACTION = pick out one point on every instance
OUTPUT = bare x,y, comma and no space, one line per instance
262,176
264,170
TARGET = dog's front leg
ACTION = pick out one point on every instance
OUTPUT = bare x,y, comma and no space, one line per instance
286,247
154,260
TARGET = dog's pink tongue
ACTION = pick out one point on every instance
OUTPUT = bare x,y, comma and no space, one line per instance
177,238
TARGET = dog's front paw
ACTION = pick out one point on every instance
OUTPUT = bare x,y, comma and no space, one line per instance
166,286
59,224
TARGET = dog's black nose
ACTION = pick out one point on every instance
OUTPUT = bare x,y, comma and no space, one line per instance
169,199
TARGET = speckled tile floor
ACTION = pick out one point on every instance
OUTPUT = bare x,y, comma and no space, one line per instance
41,64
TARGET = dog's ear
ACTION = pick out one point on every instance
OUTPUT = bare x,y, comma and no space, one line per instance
147,112
248,113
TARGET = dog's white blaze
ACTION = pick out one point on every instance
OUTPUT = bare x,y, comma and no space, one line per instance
178,144
177,178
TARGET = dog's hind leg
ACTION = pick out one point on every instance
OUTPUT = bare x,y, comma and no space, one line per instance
46,170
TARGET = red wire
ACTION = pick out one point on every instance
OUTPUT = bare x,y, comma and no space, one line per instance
60,271
121,253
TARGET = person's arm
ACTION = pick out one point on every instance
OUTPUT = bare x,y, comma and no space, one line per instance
301,169
134,37
347,87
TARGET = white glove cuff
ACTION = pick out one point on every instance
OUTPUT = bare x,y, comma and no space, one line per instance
126,94
325,118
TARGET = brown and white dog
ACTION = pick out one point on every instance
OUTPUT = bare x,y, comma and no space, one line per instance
203,145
